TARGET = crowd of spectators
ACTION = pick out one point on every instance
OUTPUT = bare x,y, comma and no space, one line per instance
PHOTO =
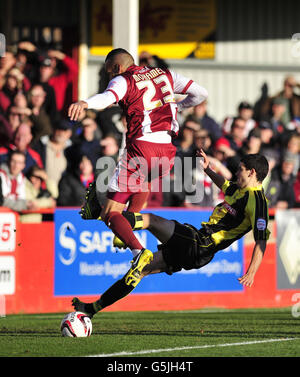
46,161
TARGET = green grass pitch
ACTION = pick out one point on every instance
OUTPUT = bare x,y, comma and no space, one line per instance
199,333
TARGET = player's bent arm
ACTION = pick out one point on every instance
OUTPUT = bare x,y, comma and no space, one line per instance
257,256
195,95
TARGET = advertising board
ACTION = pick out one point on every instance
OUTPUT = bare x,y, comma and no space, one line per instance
86,263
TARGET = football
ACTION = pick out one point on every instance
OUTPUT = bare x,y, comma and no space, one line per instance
76,325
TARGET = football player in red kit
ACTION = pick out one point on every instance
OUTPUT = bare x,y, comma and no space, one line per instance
147,97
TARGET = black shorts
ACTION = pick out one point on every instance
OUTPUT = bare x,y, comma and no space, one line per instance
187,249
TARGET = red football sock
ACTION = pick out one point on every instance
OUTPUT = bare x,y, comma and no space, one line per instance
122,229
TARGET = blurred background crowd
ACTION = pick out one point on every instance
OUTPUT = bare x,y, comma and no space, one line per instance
46,161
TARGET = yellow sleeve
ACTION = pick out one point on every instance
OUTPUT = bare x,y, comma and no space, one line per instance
225,186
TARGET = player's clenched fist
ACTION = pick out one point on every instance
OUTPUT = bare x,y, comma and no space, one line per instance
76,109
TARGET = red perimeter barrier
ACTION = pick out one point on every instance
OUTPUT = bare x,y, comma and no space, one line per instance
34,280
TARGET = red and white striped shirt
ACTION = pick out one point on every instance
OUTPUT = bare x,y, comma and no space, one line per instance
147,96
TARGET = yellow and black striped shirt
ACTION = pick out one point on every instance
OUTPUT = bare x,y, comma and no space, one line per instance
241,211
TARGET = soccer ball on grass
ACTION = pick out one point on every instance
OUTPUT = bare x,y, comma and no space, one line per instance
76,325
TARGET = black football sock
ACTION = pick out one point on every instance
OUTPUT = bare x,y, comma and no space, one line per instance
114,293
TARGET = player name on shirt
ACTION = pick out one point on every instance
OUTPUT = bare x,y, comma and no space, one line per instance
149,75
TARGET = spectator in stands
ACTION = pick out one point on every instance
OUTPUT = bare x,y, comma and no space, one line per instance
41,121
88,143
291,99
185,142
223,152
236,137
50,100
20,104
54,150
206,121
14,118
60,80
288,98
266,135
15,82
280,190
27,59
42,190
22,142
252,144
110,147
18,112
14,183
73,184
278,108
33,63
245,112
7,62
291,150
203,140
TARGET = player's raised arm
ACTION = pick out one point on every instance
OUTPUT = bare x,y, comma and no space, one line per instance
216,178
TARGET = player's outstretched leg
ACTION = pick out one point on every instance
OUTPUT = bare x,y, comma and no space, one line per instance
91,208
133,276
90,309
114,293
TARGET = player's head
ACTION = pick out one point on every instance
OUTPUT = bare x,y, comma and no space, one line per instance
117,61
253,168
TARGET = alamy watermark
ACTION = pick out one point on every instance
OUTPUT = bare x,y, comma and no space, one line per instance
295,48
2,45
132,175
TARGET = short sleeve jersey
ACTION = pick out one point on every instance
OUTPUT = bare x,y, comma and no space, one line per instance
241,211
